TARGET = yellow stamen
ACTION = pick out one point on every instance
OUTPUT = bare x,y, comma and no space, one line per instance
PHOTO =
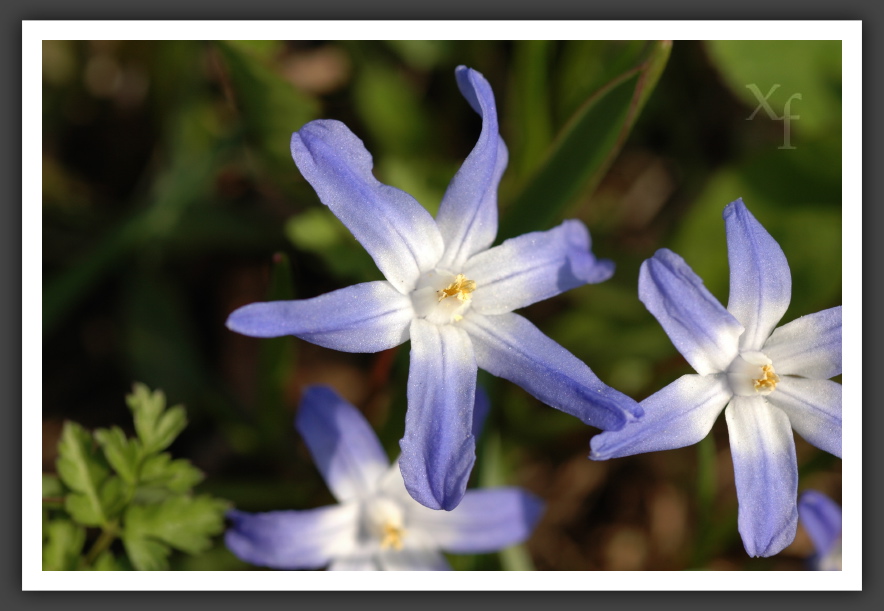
393,536
460,288
768,380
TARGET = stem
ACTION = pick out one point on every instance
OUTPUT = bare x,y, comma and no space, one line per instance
107,536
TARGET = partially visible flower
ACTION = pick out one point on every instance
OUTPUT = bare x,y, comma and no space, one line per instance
446,291
377,525
770,380
821,518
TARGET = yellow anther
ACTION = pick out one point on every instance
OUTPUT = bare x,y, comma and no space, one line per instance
768,380
393,536
460,288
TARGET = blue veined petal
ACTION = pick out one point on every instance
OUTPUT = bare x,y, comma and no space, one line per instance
813,408
821,518
766,474
467,216
534,267
809,346
293,539
679,415
438,449
510,347
367,317
485,521
761,284
704,332
394,228
343,445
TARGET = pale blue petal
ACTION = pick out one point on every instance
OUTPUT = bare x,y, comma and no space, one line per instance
534,267
809,346
439,449
293,539
510,347
413,559
485,521
761,284
699,327
467,216
343,445
766,474
821,518
813,408
399,234
679,415
355,563
367,317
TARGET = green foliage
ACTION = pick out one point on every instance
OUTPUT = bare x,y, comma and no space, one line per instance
126,488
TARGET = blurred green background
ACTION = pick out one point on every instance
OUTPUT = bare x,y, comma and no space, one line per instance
170,199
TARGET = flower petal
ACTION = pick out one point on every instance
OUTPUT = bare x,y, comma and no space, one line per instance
485,521
761,284
704,332
355,563
367,317
438,449
467,216
480,411
413,559
343,445
809,346
679,415
813,408
399,234
821,518
293,539
510,347
534,267
766,474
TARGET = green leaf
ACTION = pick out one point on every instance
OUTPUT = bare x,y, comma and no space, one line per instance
83,470
175,475
271,108
585,147
184,523
106,562
63,546
156,426
53,492
121,453
147,554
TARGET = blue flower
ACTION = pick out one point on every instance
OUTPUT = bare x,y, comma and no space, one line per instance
446,291
821,518
772,381
377,525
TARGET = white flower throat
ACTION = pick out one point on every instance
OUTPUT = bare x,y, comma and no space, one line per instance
752,373
442,297
384,521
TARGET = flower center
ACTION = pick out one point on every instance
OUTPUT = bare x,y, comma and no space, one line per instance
392,537
385,522
442,297
752,373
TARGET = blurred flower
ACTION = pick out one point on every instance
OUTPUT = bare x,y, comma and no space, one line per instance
377,525
446,291
770,380
821,518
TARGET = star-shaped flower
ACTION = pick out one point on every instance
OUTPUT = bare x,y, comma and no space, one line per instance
377,525
772,381
821,518
446,291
